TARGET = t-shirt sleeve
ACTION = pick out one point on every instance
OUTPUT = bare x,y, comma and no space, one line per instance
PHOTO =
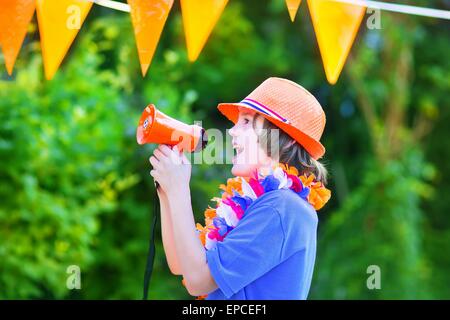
248,251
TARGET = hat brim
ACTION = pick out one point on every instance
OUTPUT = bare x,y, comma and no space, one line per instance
314,148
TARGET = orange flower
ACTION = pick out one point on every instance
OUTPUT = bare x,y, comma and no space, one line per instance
202,233
232,183
307,180
203,230
208,222
210,212
318,196
289,169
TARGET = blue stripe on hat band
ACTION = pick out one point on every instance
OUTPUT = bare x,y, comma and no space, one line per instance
263,110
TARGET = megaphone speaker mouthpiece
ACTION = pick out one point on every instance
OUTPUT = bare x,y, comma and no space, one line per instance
156,127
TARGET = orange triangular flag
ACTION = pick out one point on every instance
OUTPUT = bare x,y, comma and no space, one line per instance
148,18
292,6
199,19
336,26
15,16
59,22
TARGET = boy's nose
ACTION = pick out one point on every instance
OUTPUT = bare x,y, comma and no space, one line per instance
232,131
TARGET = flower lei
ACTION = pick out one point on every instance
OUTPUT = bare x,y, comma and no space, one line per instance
239,193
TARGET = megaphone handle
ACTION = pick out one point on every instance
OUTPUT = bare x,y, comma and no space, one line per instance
151,247
151,250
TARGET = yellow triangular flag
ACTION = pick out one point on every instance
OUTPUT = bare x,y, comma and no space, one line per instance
15,16
292,6
59,22
148,18
336,26
199,19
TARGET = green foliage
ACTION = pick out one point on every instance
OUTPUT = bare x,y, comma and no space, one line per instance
62,143
379,224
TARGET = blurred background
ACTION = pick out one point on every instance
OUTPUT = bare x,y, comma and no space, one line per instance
75,186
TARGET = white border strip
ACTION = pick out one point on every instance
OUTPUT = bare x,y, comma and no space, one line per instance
401,8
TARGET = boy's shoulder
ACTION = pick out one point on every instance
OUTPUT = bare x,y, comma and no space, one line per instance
288,204
296,217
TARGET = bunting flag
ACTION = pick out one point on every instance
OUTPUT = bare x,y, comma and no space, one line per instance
148,18
15,15
59,22
292,6
199,19
336,25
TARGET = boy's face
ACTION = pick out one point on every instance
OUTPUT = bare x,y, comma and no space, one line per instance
249,154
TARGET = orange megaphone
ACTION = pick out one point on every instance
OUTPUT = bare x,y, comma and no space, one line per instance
156,127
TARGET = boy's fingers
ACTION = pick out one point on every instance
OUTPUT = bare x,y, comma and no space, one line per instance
158,154
164,149
154,162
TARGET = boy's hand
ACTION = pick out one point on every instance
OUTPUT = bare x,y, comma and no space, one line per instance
171,169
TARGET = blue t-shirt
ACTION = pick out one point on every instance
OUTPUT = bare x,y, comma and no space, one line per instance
271,252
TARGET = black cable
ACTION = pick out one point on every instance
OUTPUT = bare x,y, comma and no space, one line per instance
151,247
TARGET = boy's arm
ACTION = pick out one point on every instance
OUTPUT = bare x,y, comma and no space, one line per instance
190,251
167,234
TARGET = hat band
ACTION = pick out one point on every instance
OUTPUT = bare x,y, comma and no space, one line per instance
264,109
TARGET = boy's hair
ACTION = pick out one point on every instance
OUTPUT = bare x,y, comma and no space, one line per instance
286,150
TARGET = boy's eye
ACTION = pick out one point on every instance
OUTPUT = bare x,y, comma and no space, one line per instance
246,120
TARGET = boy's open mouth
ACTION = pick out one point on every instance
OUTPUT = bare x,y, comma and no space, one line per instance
237,149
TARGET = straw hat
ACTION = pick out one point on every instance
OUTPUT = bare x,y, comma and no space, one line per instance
290,107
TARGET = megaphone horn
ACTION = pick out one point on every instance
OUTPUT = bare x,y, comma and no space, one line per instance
156,127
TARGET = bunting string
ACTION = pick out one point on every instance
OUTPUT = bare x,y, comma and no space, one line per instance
400,8
393,7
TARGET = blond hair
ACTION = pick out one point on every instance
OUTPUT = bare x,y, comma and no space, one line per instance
283,148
